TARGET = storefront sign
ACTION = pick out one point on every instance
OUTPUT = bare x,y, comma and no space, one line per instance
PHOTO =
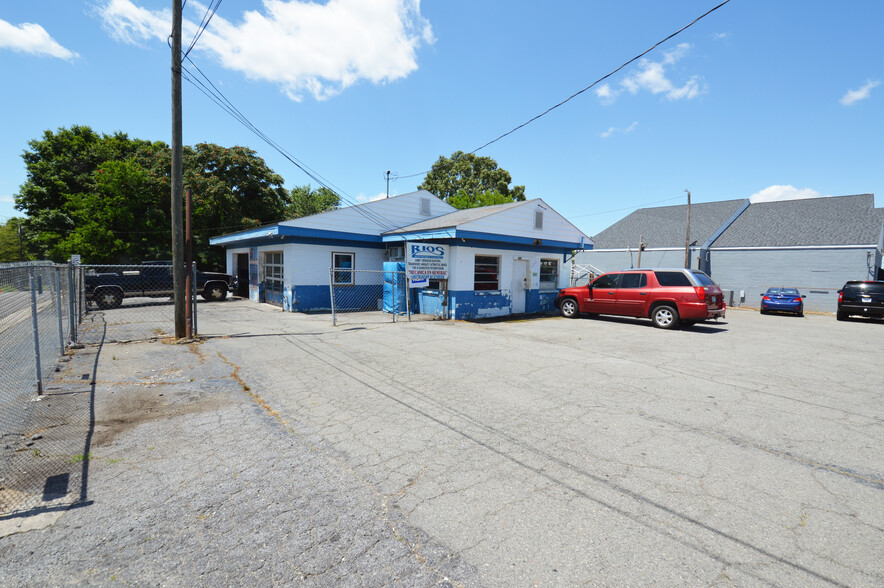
426,261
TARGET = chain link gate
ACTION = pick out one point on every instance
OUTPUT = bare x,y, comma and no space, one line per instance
374,296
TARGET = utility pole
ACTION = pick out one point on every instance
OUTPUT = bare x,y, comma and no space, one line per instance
641,247
177,182
388,183
687,236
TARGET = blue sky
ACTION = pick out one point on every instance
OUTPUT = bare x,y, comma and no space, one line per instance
759,99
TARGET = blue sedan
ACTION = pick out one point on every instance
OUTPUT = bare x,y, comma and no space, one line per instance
782,300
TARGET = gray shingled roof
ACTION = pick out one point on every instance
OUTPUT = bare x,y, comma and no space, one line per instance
665,226
841,220
457,218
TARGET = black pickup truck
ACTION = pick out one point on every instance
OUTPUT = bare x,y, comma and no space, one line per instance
106,286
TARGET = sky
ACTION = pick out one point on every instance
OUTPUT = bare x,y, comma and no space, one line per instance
758,99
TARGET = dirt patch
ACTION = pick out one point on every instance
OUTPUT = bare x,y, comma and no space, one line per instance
129,406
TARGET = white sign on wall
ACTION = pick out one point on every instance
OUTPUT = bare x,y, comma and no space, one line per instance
426,261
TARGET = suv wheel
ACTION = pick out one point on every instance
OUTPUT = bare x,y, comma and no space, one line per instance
569,308
664,317
841,316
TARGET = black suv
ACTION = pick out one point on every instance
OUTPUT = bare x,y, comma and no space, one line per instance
862,298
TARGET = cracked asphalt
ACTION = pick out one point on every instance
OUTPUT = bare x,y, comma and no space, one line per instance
282,450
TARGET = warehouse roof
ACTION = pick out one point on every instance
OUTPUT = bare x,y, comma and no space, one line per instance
665,226
841,220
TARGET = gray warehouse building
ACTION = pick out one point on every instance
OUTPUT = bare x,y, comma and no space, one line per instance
813,244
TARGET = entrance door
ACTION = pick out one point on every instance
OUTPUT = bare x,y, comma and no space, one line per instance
520,285
242,275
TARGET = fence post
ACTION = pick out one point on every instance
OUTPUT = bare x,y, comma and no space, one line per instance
72,304
193,301
58,309
331,292
407,296
33,287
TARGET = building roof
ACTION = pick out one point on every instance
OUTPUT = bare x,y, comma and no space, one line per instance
456,218
840,220
665,226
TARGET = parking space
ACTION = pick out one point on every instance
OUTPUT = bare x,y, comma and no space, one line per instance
605,450
542,451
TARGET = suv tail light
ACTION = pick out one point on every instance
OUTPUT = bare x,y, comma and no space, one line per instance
840,297
701,292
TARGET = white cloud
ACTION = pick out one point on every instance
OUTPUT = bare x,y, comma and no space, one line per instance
777,193
32,38
861,94
651,76
303,47
363,198
606,94
612,130
721,36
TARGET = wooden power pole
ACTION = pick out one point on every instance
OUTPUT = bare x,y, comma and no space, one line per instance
177,182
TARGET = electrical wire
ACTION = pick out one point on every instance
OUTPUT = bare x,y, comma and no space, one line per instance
204,85
578,93
211,9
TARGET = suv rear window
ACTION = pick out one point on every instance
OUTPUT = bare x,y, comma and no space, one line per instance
870,287
703,278
672,279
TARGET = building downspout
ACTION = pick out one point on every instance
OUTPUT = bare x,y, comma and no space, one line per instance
704,261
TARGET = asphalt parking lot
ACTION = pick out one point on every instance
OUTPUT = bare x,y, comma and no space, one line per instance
542,451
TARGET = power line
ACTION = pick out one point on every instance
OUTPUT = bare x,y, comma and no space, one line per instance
578,93
214,94
211,9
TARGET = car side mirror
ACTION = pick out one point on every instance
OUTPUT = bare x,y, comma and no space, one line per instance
804,295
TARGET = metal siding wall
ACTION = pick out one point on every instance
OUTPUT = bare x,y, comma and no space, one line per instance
818,273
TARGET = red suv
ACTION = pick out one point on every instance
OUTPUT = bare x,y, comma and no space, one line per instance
666,296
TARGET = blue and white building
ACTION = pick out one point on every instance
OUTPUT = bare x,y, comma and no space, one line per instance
506,259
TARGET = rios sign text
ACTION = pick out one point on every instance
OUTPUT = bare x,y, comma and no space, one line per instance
426,261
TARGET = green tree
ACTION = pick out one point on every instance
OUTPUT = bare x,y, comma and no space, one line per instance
463,200
304,201
106,197
10,249
60,165
463,177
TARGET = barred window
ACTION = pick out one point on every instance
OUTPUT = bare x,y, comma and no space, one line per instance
549,274
343,268
486,273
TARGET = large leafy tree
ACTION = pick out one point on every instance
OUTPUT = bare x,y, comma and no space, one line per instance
304,201
10,246
464,180
106,197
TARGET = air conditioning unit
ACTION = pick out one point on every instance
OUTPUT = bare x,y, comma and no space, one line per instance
394,254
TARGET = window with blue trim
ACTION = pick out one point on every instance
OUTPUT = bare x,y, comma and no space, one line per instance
486,273
343,263
549,274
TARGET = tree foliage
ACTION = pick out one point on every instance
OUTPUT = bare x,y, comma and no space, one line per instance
10,249
106,197
304,201
464,180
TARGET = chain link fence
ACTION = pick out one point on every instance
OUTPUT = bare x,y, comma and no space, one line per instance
127,303
373,296
40,309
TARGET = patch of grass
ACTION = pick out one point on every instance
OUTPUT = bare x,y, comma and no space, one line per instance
80,457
